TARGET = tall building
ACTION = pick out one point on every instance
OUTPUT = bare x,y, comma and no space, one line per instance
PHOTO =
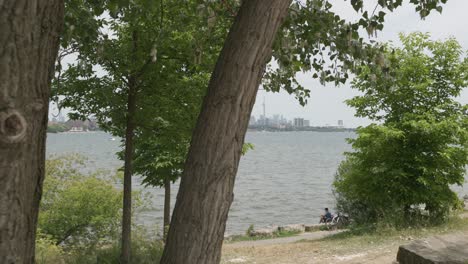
340,123
275,121
252,120
298,122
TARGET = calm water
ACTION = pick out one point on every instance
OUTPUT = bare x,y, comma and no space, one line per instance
286,179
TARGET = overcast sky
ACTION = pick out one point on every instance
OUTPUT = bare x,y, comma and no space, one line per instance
326,104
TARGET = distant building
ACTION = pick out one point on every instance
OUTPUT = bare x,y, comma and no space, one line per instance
61,118
82,126
298,122
252,121
306,123
340,123
275,121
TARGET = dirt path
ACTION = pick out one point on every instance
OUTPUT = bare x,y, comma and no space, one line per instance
309,248
305,248
309,253
284,240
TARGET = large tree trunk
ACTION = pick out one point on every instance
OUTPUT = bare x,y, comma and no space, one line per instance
29,40
125,255
206,191
167,206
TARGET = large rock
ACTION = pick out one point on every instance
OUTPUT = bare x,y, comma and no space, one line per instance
264,232
448,249
292,228
314,227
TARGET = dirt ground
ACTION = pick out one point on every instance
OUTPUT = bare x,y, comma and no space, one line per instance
309,252
310,248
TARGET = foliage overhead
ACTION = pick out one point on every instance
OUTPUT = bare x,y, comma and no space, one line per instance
315,39
178,43
166,49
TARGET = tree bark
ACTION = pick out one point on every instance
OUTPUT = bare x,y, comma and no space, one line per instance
29,41
125,256
128,162
199,219
167,206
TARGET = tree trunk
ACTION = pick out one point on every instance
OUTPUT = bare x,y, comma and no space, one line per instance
29,40
167,206
198,223
125,255
127,193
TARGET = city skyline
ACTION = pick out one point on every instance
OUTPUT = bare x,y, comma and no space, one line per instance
276,120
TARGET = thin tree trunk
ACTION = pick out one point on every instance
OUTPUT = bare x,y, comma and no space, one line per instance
125,256
127,193
167,206
206,191
29,40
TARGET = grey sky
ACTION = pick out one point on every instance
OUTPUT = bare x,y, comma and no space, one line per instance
326,105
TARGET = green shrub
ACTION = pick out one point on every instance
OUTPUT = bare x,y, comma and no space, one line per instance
78,210
79,217
145,250
56,128
47,252
249,230
387,180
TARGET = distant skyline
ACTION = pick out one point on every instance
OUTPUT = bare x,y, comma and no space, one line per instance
326,104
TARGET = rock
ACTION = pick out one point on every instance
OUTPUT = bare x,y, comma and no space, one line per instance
448,249
292,228
314,227
237,260
264,232
227,237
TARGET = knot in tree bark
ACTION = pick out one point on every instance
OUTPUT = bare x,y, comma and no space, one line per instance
12,126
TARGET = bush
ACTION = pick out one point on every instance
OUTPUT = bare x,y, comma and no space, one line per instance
78,210
79,217
346,202
56,128
47,251
145,250
400,176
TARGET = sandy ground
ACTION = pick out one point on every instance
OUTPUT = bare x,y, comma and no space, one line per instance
310,248
307,248
307,252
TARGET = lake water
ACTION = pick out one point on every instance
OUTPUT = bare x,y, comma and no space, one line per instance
286,179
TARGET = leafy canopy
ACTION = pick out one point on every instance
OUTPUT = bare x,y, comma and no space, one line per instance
178,43
317,40
166,50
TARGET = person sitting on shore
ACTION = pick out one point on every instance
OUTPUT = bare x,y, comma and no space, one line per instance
327,217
